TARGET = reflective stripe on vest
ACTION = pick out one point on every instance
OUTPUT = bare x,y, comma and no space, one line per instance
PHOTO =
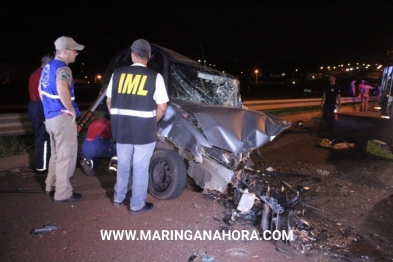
53,96
128,112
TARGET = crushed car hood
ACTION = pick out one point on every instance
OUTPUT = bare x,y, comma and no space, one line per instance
236,130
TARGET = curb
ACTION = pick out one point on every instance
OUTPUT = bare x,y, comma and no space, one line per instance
10,162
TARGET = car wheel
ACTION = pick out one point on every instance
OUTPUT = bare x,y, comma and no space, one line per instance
167,174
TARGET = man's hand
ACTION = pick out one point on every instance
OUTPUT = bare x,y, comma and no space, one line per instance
65,98
70,113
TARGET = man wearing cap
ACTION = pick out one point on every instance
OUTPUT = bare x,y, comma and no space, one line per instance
60,109
37,119
137,100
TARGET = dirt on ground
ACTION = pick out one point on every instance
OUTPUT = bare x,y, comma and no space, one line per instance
345,208
347,192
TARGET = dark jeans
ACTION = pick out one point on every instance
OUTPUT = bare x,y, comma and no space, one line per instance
98,148
41,137
328,114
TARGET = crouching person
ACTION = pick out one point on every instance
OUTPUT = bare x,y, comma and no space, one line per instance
97,144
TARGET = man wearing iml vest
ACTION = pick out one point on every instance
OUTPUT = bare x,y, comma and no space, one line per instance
137,100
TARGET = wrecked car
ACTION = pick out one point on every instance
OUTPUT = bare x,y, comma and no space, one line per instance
205,133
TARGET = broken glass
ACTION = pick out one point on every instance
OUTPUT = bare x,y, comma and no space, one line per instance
200,85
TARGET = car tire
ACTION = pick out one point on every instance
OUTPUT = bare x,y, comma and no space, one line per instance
167,174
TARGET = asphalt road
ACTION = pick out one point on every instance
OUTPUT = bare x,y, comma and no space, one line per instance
79,239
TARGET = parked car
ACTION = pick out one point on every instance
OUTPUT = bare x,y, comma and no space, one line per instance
205,133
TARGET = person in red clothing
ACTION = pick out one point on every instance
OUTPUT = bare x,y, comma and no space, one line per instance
97,144
360,88
37,119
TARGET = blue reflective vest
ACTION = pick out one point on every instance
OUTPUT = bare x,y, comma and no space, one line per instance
50,97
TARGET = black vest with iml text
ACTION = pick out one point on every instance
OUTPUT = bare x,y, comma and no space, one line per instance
133,109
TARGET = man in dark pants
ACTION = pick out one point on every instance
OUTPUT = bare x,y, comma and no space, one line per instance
352,92
97,144
37,119
331,100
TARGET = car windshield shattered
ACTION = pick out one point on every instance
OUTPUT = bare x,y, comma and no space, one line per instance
203,86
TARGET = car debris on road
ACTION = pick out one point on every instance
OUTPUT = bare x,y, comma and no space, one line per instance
47,228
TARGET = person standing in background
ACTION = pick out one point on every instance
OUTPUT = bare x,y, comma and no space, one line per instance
331,100
352,92
365,93
360,87
35,111
377,93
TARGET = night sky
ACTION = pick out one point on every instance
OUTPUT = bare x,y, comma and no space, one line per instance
242,31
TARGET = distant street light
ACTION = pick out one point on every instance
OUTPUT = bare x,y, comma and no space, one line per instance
97,79
256,76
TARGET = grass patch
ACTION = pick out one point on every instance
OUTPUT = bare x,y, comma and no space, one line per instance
13,145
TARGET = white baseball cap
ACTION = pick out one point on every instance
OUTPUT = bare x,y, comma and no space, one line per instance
66,42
